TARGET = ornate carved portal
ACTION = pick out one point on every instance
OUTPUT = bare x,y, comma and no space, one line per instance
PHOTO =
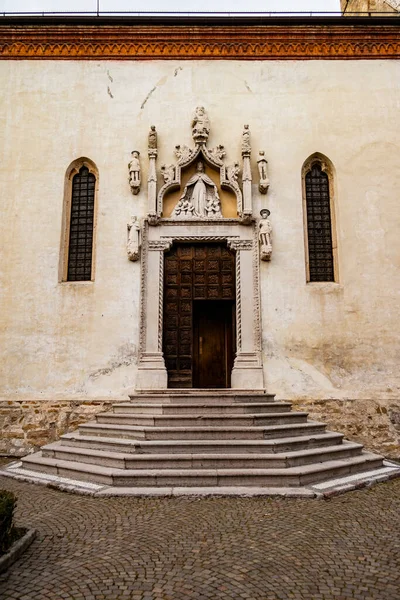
199,315
200,296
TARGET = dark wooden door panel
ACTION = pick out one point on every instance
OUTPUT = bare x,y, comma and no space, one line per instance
212,343
192,272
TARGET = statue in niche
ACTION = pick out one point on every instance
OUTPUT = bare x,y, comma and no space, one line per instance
265,233
246,147
132,246
182,153
168,173
200,197
263,172
200,125
153,138
134,172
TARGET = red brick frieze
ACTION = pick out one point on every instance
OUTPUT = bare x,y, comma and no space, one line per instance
146,42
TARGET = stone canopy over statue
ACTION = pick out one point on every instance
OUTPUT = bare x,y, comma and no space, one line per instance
200,197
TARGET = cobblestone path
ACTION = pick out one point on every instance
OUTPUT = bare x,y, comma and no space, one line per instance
211,548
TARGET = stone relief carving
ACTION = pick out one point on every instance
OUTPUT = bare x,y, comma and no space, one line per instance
200,197
218,152
183,153
134,172
200,125
168,173
263,173
265,235
133,245
232,173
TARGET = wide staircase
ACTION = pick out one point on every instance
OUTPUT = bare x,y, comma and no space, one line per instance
209,440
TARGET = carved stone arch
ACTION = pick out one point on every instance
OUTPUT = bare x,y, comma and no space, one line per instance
72,170
325,164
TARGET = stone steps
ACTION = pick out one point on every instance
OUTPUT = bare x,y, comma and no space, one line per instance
271,446
207,439
208,396
200,433
200,461
199,408
202,420
288,477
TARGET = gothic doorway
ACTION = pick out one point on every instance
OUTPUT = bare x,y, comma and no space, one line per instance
199,315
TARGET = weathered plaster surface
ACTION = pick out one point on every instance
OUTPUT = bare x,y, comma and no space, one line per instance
66,340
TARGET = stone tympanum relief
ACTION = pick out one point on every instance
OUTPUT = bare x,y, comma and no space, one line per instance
134,172
133,244
265,235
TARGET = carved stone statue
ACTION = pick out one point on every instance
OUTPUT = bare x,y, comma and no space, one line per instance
132,246
246,147
134,172
218,152
200,125
168,173
232,173
153,138
182,153
265,234
263,172
200,197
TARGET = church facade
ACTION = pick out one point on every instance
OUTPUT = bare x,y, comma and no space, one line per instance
200,204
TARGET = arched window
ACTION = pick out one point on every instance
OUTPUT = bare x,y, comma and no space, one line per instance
79,221
319,219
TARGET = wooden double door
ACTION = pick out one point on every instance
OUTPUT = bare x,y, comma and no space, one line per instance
199,315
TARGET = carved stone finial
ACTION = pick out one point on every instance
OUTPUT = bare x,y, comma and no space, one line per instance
246,147
133,244
168,173
134,172
265,235
152,138
200,125
182,153
263,172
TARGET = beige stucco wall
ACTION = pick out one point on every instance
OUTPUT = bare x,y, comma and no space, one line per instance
66,340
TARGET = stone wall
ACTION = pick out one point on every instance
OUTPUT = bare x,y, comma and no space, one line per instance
28,424
374,423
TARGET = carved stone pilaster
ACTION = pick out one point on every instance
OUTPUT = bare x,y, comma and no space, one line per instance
246,176
152,178
247,372
152,373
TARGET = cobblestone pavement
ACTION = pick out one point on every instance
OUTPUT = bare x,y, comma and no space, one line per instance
210,548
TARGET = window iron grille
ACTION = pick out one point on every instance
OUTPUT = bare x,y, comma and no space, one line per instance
319,225
81,226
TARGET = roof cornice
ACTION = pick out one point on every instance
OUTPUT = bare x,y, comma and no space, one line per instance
244,38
